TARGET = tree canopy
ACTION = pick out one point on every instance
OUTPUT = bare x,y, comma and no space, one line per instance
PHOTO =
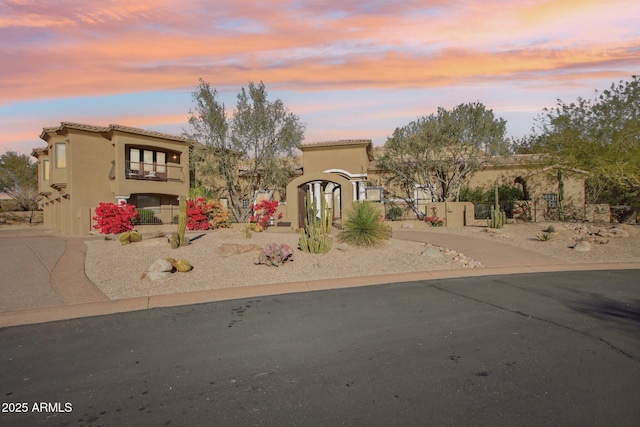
442,151
601,135
260,137
19,179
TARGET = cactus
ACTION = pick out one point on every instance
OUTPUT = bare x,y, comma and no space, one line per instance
315,242
315,237
182,266
560,197
498,217
125,238
319,218
174,241
274,255
178,239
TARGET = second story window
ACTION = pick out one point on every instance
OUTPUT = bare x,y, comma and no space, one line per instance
45,170
61,155
144,163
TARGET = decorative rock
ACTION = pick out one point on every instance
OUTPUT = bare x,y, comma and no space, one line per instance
628,228
612,232
618,232
407,225
161,265
595,239
432,252
157,234
342,247
160,269
582,246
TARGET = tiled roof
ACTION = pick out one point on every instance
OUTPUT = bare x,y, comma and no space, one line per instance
110,128
335,143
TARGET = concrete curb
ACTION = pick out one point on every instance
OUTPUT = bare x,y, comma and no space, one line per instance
100,308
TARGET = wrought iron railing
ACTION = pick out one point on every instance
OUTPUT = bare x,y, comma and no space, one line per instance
153,171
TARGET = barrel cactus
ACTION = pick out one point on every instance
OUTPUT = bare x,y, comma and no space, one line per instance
124,238
273,255
183,266
135,236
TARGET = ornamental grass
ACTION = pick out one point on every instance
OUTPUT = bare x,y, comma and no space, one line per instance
364,226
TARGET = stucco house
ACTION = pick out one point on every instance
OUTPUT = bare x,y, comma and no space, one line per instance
345,171
335,170
83,165
541,183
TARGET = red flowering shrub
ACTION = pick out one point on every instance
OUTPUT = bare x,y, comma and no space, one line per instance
434,219
203,215
263,211
115,219
197,218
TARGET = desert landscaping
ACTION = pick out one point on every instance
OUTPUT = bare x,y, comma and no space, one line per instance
224,258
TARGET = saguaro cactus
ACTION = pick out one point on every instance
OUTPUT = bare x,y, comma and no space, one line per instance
498,217
179,239
560,197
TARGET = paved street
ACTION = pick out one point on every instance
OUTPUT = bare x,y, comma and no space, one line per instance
526,350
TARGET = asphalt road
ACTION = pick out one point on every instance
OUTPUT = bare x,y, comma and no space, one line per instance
556,349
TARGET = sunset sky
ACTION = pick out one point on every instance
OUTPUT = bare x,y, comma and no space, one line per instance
349,69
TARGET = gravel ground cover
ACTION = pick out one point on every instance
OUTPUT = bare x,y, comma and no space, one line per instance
118,270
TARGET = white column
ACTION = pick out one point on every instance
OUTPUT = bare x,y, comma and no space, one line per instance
354,184
317,195
362,190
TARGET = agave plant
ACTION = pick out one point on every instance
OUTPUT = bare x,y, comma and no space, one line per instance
545,237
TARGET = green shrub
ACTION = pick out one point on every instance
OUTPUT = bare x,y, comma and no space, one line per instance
147,216
364,226
545,237
395,213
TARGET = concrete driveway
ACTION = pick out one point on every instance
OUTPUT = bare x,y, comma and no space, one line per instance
39,269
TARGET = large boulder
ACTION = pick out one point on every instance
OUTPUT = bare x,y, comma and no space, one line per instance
614,232
432,252
160,269
582,246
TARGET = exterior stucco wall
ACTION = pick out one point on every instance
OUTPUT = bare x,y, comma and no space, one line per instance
540,181
95,172
349,158
293,201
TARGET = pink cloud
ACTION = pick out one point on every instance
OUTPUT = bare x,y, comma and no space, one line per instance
80,48
121,46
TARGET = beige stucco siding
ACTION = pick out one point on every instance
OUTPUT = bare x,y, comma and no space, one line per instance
94,172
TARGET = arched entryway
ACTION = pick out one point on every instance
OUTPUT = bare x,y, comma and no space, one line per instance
328,190
336,190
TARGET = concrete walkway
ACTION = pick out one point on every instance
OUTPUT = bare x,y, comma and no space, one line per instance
42,275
